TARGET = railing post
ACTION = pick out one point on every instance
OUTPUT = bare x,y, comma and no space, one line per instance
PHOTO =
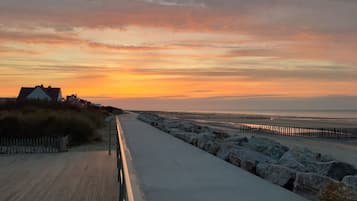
110,138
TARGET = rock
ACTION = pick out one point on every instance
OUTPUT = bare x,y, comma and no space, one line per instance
266,146
174,130
224,150
211,147
334,169
202,129
185,136
310,185
338,192
171,124
220,134
303,160
161,125
304,154
149,117
247,159
238,140
188,126
204,138
288,160
205,141
350,180
277,174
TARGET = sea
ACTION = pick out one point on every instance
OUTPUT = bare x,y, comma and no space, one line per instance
334,114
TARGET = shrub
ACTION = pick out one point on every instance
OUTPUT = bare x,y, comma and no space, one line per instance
44,119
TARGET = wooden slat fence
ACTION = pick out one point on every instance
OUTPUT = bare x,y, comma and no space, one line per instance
44,144
300,131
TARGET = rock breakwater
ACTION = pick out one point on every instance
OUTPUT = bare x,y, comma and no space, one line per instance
309,174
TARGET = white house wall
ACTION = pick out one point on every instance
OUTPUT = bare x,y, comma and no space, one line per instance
59,96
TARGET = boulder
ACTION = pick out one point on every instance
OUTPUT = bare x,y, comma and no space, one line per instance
303,160
266,146
334,169
161,125
211,147
238,140
350,180
277,174
190,127
220,134
338,192
304,154
310,185
204,138
224,150
171,123
173,130
149,117
247,159
185,136
202,129
288,160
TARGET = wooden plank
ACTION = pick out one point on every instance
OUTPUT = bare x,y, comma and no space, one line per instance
89,175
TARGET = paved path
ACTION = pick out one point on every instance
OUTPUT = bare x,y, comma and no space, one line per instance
169,169
67,176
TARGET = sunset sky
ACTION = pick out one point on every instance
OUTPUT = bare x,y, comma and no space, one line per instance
148,53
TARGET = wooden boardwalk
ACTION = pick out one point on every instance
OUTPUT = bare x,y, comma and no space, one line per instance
71,176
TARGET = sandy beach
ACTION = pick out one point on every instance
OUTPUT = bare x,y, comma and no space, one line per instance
341,149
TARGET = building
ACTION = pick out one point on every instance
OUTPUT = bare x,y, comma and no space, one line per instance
73,99
81,103
40,93
7,100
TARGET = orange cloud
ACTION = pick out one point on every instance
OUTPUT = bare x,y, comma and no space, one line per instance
230,47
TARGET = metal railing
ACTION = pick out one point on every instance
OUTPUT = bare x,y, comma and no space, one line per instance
125,185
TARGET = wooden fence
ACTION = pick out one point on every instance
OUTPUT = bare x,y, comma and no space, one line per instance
300,131
45,144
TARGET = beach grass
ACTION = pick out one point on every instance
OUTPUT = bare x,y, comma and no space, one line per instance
36,119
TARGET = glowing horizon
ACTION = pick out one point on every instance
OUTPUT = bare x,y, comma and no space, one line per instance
180,48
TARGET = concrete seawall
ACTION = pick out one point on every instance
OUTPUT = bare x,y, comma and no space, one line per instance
168,169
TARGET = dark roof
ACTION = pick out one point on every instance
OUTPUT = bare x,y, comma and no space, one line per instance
53,93
24,92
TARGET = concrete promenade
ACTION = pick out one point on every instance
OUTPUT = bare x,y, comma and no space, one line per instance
168,169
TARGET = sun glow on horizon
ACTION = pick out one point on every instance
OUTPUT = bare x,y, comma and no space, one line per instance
145,50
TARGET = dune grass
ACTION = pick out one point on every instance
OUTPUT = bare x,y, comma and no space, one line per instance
35,119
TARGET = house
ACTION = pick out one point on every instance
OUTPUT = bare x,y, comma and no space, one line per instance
40,93
7,100
74,100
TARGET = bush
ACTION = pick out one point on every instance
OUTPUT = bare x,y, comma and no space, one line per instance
43,119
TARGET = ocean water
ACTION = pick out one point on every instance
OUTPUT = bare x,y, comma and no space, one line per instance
338,114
